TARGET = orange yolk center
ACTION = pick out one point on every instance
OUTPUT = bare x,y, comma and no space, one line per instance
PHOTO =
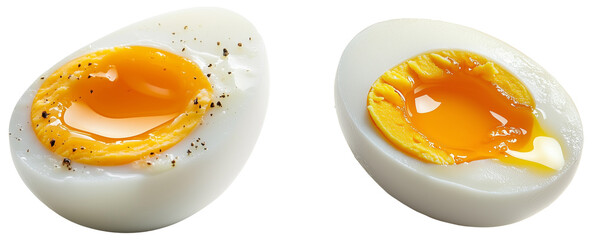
129,93
468,117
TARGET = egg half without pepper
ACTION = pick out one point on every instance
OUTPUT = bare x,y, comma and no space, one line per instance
454,123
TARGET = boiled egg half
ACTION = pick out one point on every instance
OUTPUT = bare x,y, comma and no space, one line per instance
146,126
454,123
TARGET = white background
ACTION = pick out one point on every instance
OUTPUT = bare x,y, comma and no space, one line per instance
301,181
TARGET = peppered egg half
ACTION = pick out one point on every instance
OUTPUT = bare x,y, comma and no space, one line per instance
454,123
146,126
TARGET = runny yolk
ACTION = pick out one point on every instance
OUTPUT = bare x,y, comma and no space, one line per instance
468,117
452,106
119,105
129,93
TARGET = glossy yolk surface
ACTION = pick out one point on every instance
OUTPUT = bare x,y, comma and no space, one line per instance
129,93
452,106
468,117
119,105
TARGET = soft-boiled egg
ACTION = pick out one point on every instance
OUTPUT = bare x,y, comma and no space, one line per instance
454,123
146,126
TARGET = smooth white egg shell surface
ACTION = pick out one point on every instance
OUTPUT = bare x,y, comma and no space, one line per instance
130,198
478,193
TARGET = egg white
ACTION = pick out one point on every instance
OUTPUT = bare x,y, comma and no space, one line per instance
129,198
479,193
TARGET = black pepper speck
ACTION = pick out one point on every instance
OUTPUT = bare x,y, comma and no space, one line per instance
67,163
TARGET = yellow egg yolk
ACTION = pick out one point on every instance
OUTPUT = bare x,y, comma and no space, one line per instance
450,107
119,105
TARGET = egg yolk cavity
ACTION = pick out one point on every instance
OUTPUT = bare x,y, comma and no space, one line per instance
452,106
119,105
